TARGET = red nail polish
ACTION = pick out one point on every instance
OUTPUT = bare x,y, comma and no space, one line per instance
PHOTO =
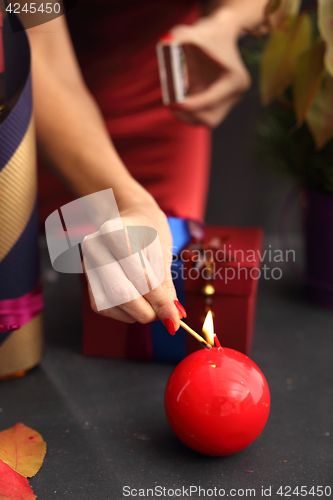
170,326
180,308
168,37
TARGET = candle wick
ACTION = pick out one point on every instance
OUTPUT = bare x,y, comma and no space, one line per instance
217,342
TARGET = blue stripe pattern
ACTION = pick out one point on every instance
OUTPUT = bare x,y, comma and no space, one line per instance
19,270
4,336
14,127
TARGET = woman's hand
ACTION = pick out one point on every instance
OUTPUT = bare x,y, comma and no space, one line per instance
218,76
124,284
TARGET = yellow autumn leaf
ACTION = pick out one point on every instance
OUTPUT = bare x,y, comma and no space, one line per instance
309,70
320,115
23,449
325,25
280,56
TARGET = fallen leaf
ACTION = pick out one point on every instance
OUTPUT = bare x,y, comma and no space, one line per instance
280,55
13,486
325,25
23,449
309,71
320,115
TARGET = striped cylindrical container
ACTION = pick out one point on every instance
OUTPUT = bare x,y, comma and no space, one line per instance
21,302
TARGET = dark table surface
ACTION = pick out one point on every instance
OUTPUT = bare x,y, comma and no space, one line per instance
104,419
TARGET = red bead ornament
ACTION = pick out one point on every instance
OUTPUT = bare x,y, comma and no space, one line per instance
217,401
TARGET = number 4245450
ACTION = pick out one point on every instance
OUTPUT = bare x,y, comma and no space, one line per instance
303,491
31,8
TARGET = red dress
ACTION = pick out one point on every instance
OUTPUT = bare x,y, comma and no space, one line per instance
115,44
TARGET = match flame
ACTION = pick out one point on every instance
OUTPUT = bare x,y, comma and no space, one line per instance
208,328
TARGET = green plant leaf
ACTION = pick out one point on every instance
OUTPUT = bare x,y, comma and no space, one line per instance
280,55
308,74
325,25
277,11
320,114
271,61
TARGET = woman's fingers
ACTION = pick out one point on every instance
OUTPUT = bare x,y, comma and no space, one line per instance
114,312
210,117
110,285
162,294
127,284
165,308
129,273
99,292
146,268
226,87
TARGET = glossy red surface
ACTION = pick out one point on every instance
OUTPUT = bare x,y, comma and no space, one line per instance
217,401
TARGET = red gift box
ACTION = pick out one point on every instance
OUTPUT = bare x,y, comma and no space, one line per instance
236,254
237,260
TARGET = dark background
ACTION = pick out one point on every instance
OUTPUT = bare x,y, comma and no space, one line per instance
242,191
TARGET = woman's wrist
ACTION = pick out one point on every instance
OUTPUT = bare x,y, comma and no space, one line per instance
98,170
236,17
130,197
131,194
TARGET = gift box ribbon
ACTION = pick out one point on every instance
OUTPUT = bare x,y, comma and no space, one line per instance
14,313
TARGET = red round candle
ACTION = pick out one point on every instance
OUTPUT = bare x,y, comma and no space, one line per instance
217,401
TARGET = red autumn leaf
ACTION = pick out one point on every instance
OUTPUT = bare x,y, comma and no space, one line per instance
23,449
13,486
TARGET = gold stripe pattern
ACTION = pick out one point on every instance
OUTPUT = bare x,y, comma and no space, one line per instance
18,185
23,349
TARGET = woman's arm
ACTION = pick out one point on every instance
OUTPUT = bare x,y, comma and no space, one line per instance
73,138
244,15
70,129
